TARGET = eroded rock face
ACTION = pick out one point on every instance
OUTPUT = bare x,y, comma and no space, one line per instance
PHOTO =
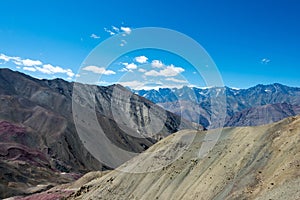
38,134
247,163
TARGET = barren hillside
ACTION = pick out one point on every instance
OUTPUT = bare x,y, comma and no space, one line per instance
247,163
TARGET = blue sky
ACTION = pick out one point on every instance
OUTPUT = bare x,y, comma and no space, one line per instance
251,42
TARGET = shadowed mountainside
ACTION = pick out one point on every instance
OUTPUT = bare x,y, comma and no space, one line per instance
40,145
261,115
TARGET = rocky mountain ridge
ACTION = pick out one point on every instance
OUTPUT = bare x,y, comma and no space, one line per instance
43,142
195,104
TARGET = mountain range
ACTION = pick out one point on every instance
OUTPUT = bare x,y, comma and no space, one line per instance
52,132
271,103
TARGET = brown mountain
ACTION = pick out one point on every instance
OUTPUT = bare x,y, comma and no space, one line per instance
43,142
265,114
247,163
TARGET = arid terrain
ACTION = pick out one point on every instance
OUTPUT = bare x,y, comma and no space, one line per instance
40,144
247,163
45,147
150,100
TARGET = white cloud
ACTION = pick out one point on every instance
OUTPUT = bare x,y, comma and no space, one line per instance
36,65
115,28
70,73
141,59
129,66
139,85
164,86
152,73
109,31
142,70
132,84
4,57
104,83
32,69
157,64
265,61
98,70
123,42
94,36
30,63
123,70
169,71
176,80
127,30
17,62
50,69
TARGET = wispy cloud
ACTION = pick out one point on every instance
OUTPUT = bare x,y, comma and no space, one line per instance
176,80
98,70
128,67
133,84
157,64
36,65
123,43
50,69
141,59
18,61
139,85
32,69
115,30
169,71
104,83
30,63
109,31
265,60
6,58
126,29
94,36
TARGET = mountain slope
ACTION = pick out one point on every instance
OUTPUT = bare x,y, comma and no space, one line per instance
247,163
265,114
37,119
